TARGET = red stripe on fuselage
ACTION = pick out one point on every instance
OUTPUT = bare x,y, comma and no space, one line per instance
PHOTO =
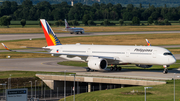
48,39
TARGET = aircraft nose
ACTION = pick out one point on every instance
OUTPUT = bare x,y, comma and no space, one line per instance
172,60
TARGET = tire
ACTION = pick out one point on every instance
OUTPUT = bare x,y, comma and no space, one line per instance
120,68
88,69
115,68
111,68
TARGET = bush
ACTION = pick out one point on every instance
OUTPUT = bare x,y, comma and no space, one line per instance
56,23
136,21
75,23
23,22
90,22
107,23
156,22
61,23
121,22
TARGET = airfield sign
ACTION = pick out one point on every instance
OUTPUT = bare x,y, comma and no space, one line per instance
16,94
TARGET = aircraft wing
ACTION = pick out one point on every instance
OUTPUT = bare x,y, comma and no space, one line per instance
80,55
27,51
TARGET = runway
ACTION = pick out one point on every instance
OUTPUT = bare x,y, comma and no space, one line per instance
50,65
4,37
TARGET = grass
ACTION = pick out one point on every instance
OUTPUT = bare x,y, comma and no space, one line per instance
157,93
131,66
22,55
37,29
138,39
25,74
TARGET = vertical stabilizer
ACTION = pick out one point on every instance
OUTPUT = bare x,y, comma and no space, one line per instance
50,36
148,43
66,24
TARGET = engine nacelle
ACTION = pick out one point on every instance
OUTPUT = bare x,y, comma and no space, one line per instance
97,63
144,66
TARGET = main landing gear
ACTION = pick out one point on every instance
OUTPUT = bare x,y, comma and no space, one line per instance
165,69
90,70
115,68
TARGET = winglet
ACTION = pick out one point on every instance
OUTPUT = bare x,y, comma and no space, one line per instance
148,43
5,47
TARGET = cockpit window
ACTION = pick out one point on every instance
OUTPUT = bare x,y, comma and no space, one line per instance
168,53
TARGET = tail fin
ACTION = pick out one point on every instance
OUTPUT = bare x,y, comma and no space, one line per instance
148,43
51,38
66,24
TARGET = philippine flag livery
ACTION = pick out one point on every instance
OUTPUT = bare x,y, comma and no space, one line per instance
148,43
51,38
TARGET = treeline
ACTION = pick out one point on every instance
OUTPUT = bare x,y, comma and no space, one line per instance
145,3
78,12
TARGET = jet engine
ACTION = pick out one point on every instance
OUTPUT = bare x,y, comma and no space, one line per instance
97,63
144,66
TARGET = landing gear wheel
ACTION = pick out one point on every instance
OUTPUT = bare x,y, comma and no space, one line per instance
111,68
115,68
77,33
165,71
80,32
92,70
120,68
88,69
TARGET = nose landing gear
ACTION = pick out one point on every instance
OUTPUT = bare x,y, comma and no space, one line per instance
165,69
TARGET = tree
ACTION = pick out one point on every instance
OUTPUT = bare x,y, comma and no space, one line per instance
136,21
23,22
85,19
166,22
106,22
150,20
57,23
127,16
4,21
75,23
140,5
121,22
90,22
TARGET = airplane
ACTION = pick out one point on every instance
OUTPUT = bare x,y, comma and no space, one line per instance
73,30
98,57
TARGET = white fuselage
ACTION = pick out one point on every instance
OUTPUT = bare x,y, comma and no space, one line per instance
75,30
116,54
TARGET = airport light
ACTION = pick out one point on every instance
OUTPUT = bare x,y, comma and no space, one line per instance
145,91
65,85
4,84
57,92
41,86
78,85
9,82
31,89
35,88
174,85
74,83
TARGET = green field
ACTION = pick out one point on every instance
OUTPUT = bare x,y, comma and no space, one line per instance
25,74
157,93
